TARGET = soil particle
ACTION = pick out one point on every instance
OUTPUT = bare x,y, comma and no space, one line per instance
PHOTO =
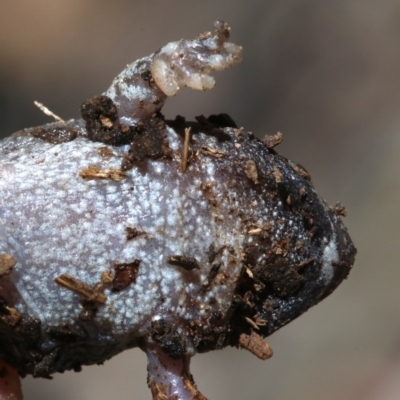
106,277
10,316
186,262
270,141
7,262
102,125
277,175
149,141
339,209
132,233
105,152
125,275
30,328
283,277
43,369
250,170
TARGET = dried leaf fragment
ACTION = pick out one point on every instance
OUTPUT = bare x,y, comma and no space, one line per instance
93,172
209,151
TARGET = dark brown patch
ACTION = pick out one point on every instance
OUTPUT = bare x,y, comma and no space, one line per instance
270,141
66,333
147,76
102,125
168,339
341,264
89,310
213,126
149,141
30,328
185,262
43,369
132,233
222,121
125,275
54,134
283,277
3,372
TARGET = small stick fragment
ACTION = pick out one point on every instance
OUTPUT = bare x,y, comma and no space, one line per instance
97,173
185,262
256,345
46,111
7,263
73,284
255,231
210,277
185,154
252,323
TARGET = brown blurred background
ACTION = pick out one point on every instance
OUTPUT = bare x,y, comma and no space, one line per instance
326,74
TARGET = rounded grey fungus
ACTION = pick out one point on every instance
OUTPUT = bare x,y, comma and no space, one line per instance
117,246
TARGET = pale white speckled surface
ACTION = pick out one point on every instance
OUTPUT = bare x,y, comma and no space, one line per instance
61,223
